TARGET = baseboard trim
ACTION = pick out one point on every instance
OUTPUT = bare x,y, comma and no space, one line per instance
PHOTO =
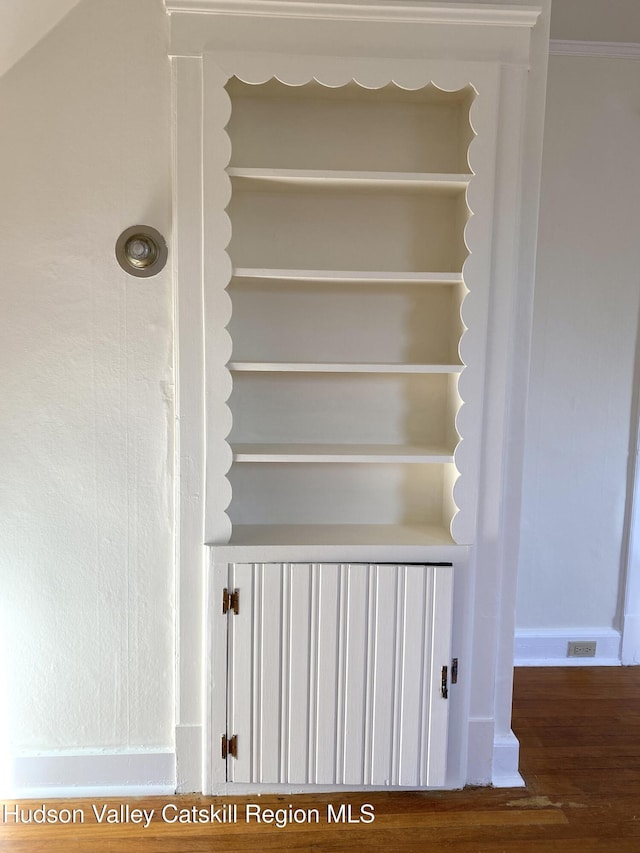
189,759
86,774
480,751
492,759
506,755
631,640
549,648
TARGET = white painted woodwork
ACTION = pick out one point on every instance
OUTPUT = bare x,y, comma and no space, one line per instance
313,127
361,10
340,542
190,556
363,172
339,367
397,219
346,276
286,180
630,651
391,211
381,253
342,535
339,453
335,674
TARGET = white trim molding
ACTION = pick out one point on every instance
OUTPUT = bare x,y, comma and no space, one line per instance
369,10
505,773
189,759
84,773
480,750
631,536
189,413
534,647
605,49
492,756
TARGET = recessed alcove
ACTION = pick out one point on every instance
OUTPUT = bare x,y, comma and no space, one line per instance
348,212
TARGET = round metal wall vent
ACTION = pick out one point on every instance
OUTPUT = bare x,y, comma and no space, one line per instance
141,251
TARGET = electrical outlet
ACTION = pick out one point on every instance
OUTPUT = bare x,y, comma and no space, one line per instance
582,649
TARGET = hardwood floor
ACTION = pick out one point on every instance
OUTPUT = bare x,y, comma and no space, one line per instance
579,731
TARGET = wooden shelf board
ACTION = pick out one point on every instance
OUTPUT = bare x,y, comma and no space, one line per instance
341,453
339,367
348,276
339,534
363,543
435,552
282,179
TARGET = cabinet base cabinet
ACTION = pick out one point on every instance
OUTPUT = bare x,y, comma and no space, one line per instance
336,674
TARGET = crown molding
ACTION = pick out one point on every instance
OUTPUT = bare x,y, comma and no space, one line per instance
403,11
608,49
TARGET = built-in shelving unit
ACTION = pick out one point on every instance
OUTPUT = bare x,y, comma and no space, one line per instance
348,211
355,198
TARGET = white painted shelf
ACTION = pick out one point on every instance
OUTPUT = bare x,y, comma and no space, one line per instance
339,367
340,534
284,179
339,543
351,453
348,276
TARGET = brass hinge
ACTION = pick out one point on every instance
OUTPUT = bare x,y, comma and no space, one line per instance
231,601
444,689
229,746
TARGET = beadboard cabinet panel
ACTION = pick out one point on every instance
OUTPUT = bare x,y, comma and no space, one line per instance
335,674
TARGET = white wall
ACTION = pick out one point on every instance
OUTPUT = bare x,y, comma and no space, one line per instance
86,404
596,20
24,22
585,326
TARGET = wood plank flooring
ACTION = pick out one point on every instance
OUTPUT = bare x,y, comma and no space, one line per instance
579,730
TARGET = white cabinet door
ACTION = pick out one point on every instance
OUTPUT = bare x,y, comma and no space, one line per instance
335,674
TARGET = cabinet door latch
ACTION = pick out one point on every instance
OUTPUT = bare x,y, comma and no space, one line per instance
231,601
229,746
